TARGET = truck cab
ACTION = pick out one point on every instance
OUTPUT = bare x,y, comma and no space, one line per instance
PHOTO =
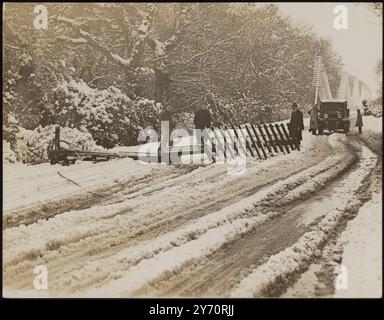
333,116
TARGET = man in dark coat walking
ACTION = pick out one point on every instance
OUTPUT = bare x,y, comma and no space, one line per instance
296,125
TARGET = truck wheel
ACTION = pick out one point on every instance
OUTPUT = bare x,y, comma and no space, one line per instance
320,131
65,162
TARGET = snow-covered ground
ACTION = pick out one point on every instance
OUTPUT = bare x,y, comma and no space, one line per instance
27,184
297,257
362,253
362,239
163,220
356,256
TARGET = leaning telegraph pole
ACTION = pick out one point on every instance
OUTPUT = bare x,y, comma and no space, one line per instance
318,69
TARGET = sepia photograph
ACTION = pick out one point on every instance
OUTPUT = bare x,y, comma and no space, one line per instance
192,150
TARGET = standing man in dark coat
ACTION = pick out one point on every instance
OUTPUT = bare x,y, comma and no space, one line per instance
313,125
296,125
359,121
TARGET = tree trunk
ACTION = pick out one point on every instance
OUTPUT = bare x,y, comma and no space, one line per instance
162,84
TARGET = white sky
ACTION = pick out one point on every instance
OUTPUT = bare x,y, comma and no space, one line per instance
360,46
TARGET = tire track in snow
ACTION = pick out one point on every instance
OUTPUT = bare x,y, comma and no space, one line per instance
237,224
79,251
73,253
112,193
287,263
214,274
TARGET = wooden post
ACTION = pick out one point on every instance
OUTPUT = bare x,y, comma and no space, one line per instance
254,142
237,136
275,137
270,138
264,138
289,139
259,143
210,154
225,143
202,137
247,144
282,138
57,138
220,145
233,142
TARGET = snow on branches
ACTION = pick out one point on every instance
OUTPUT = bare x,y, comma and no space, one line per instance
109,115
92,41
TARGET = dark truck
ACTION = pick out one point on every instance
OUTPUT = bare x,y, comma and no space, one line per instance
333,115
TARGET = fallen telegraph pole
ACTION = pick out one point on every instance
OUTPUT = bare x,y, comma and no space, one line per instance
247,139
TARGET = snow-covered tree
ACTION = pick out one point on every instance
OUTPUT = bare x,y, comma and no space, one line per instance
247,60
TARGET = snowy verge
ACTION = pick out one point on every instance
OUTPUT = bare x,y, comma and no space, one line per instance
32,145
33,185
361,241
9,156
362,254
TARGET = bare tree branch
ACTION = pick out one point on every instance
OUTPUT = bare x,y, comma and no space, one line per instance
92,41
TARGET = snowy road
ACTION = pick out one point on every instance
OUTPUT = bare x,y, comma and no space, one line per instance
129,229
